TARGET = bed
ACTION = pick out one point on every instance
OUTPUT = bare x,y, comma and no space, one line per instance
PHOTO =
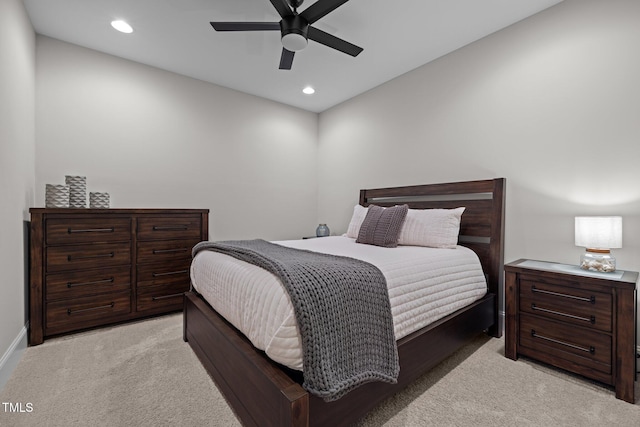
263,392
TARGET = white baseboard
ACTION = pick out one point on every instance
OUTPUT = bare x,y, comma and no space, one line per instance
12,356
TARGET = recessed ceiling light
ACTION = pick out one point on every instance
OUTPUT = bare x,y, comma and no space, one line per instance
122,26
309,90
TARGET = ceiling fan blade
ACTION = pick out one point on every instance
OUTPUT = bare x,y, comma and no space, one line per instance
320,9
333,42
245,26
286,60
282,7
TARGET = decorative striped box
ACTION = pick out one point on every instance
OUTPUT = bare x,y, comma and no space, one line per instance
77,191
56,196
98,200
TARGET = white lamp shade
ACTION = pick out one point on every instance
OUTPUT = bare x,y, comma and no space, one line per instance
599,232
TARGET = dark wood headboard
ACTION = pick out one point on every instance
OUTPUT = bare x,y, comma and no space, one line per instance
482,224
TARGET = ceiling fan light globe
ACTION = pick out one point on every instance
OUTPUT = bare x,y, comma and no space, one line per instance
294,42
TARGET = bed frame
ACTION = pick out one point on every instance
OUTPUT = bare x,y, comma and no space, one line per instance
264,393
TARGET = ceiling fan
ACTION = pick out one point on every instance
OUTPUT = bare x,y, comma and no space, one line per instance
295,29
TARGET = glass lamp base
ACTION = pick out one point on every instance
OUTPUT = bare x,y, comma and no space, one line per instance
322,230
594,261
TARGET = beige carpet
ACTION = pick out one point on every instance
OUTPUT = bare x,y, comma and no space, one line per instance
143,374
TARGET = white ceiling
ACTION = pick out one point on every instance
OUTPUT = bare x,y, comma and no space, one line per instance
175,35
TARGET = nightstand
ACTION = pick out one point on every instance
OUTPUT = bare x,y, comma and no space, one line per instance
581,321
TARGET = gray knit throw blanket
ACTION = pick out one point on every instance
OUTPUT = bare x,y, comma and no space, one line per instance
343,312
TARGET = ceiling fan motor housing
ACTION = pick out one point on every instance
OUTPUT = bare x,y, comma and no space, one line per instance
294,30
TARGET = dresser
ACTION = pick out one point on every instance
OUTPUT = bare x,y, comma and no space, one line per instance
580,321
93,267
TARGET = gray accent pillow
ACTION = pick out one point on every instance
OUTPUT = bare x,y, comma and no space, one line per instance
382,226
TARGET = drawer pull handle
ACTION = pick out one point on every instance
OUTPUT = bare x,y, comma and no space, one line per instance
109,255
591,349
95,282
91,230
164,251
167,296
170,227
69,312
591,319
591,299
169,273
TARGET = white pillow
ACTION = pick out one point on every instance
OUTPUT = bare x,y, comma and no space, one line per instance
359,213
434,228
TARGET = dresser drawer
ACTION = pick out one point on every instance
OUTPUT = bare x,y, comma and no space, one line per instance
80,313
161,298
73,231
568,344
74,284
165,250
63,258
170,227
571,305
164,273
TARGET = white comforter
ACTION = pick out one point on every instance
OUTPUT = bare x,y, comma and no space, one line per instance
425,284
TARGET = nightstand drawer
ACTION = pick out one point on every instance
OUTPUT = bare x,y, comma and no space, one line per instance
67,231
84,283
80,313
62,258
165,250
571,305
170,227
568,344
164,273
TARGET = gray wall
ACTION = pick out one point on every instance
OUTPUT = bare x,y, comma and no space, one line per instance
551,103
17,86
152,138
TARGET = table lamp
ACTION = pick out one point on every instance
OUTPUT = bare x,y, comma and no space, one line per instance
598,234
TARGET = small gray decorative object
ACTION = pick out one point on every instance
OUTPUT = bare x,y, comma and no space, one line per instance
56,196
322,230
98,200
77,191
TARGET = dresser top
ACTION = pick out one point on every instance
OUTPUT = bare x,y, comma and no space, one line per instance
126,211
623,276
